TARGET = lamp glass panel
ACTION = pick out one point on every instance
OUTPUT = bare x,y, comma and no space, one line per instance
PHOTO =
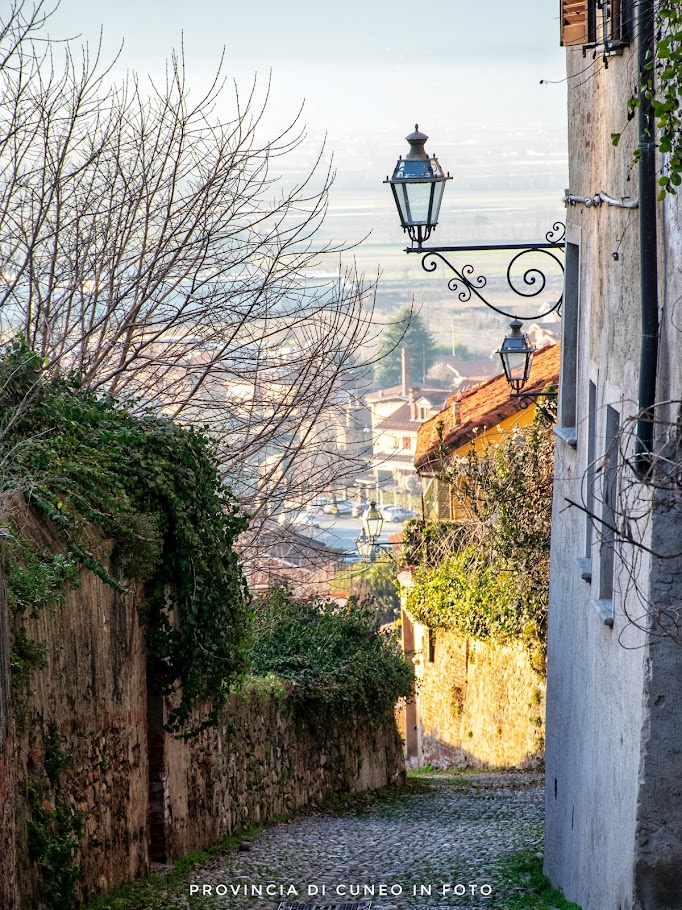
420,201
364,546
402,202
437,199
515,361
373,522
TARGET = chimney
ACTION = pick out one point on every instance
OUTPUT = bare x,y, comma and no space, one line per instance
456,412
413,404
404,371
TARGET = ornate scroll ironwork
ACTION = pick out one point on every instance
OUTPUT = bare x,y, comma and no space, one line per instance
531,283
526,399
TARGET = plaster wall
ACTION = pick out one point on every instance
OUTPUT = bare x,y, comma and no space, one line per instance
614,738
658,840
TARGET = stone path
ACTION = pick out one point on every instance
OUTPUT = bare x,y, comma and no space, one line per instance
438,847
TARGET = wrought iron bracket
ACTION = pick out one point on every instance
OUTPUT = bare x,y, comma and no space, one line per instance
526,399
531,283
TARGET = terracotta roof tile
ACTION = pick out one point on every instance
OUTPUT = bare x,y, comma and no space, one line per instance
484,406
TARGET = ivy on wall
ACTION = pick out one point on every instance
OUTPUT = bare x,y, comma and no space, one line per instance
663,88
667,102
332,658
54,828
153,487
494,585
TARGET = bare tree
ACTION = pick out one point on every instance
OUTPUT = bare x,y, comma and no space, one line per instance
149,245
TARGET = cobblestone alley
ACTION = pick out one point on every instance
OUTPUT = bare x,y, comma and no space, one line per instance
439,846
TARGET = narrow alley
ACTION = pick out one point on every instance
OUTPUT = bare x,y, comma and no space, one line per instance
439,844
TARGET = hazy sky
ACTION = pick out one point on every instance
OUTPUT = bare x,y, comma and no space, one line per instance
468,72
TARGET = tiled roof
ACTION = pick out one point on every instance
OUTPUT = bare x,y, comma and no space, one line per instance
395,392
400,419
482,407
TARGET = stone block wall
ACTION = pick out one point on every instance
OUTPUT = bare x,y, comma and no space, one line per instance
8,859
143,795
88,703
478,705
260,762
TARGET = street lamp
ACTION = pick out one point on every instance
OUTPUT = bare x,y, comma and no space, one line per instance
373,522
365,547
516,354
418,184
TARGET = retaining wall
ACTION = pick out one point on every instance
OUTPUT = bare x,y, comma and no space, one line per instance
141,794
478,704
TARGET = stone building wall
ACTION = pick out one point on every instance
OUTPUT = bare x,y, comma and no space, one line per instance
478,705
90,707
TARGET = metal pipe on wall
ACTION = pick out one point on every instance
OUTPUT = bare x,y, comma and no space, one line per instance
648,363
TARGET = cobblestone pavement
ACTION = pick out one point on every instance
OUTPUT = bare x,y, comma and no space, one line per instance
438,847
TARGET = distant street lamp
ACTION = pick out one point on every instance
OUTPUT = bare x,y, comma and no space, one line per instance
372,523
365,547
418,184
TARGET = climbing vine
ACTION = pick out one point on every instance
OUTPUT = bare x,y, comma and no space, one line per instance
34,582
100,472
666,96
493,585
54,828
667,102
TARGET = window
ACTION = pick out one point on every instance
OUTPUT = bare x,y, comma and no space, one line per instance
603,23
407,443
609,492
588,497
569,349
615,23
432,645
588,494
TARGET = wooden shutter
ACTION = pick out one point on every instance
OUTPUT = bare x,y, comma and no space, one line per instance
576,22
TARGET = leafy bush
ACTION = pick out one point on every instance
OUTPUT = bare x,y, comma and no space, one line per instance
334,657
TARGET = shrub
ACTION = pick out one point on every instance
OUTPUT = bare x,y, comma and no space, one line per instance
333,657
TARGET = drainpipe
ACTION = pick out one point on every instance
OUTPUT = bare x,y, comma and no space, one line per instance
647,242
